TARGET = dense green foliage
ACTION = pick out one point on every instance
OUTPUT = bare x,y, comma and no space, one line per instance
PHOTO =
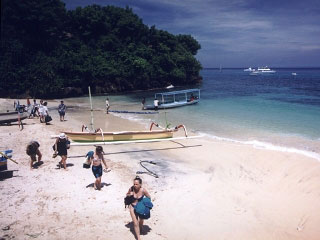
47,51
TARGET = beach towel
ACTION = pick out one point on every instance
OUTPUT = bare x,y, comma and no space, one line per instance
142,208
87,162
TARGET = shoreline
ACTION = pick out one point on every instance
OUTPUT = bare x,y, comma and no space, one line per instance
218,190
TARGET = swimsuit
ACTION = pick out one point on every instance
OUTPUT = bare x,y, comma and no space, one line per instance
97,170
137,199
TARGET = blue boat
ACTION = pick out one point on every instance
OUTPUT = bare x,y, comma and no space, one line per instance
174,99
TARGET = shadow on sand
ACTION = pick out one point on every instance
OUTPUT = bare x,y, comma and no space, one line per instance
91,185
144,231
37,164
59,166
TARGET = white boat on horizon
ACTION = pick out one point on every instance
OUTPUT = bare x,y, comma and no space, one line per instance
249,69
262,70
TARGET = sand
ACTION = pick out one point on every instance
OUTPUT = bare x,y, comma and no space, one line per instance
207,189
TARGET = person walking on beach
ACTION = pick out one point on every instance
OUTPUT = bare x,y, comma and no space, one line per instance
32,151
137,192
61,148
35,110
97,159
40,110
107,105
47,117
156,104
62,111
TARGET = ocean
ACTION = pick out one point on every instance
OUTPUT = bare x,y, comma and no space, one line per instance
276,111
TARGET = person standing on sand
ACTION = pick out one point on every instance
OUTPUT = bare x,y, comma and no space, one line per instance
138,192
32,151
62,111
107,105
97,159
143,102
61,149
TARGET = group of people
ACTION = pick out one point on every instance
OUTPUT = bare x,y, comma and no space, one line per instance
39,110
136,192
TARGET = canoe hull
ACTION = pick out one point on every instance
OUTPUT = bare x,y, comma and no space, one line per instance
119,136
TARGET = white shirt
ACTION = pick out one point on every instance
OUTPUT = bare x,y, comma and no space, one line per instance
107,103
156,102
45,111
41,108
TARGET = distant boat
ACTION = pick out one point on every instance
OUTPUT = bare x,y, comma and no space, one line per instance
175,99
249,69
294,74
262,70
170,86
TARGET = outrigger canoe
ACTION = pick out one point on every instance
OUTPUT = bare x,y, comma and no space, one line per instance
100,136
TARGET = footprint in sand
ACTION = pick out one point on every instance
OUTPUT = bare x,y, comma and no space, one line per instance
239,211
302,223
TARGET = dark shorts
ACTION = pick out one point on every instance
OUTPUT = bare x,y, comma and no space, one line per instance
62,113
63,152
97,171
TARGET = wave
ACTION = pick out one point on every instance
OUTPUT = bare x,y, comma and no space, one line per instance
134,118
266,145
255,143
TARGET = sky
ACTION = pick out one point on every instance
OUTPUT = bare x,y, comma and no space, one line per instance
236,33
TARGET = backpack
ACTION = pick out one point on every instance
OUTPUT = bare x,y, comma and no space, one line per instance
128,199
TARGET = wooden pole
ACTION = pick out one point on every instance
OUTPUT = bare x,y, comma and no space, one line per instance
91,124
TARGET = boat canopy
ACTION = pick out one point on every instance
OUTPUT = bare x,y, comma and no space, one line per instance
182,95
195,90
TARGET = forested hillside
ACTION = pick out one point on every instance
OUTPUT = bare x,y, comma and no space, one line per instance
48,51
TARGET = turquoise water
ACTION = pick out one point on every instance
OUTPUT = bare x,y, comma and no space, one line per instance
272,110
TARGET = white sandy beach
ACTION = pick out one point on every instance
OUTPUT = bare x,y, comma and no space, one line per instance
207,190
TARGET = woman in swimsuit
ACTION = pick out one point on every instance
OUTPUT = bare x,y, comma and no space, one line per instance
138,193
96,159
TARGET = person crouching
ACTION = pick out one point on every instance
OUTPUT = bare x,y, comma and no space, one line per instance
33,150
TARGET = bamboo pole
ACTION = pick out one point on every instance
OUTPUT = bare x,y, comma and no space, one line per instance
91,124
